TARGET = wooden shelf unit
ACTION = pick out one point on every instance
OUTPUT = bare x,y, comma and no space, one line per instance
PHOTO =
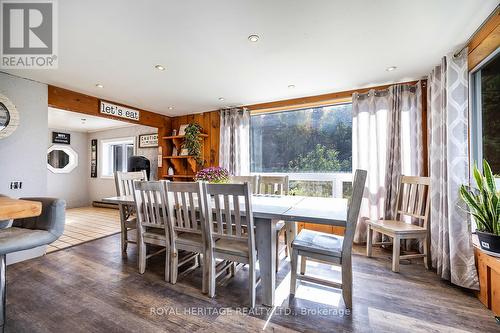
185,166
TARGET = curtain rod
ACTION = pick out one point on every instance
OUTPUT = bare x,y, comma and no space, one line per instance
409,85
496,11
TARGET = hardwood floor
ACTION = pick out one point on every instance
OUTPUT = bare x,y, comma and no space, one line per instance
90,288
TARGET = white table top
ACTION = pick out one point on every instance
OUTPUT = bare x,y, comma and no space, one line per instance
330,211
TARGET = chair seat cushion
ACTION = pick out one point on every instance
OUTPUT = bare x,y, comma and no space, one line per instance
189,238
156,233
318,242
395,226
17,239
131,223
232,247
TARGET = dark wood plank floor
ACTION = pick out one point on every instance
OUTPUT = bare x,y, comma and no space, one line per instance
90,288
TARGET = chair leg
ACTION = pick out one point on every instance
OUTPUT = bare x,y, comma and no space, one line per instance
303,265
204,267
427,258
174,263
369,240
277,250
251,282
167,264
123,228
293,273
211,276
395,253
142,257
347,282
287,249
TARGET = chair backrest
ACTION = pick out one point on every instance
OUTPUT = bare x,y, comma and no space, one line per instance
124,181
151,205
273,185
252,180
413,198
358,187
186,207
229,213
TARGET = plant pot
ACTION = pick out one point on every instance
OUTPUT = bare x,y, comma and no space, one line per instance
489,242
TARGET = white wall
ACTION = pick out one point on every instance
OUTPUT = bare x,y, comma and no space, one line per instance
23,155
105,187
74,186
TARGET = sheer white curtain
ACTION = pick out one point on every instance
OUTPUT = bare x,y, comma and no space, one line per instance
451,243
234,147
387,142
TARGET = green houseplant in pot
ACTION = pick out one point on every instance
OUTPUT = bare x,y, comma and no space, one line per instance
484,205
193,142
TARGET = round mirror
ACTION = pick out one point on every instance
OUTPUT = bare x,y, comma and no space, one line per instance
9,118
61,159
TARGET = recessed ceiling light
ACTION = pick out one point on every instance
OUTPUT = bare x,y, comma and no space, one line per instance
390,69
98,85
170,107
221,98
253,38
291,86
83,119
160,67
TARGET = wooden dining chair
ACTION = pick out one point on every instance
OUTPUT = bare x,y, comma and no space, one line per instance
278,185
413,201
329,248
152,222
252,180
230,231
187,227
124,182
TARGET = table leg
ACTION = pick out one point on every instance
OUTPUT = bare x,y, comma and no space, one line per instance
291,229
266,250
3,286
123,230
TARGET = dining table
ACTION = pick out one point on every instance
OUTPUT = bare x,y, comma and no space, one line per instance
267,211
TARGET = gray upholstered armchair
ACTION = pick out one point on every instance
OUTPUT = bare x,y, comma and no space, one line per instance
29,233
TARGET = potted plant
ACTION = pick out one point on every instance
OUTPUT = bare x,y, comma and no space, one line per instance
192,142
484,205
216,175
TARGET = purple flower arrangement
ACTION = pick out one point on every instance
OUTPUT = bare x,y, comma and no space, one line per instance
213,175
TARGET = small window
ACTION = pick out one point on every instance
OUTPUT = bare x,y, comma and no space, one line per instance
115,154
485,120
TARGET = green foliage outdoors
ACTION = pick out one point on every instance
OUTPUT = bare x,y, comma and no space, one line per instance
484,203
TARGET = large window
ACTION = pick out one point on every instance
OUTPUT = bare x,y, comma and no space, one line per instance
312,145
115,154
485,88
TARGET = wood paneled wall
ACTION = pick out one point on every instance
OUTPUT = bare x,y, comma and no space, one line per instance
76,102
210,123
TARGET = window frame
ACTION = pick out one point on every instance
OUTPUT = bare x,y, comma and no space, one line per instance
337,178
475,115
105,153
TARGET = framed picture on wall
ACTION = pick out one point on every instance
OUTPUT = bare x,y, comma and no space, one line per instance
148,140
182,129
93,158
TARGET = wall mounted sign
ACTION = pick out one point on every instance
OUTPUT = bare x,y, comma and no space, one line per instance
148,140
58,137
93,158
118,111
9,117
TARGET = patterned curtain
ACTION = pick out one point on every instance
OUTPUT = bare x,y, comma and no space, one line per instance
235,141
387,142
451,242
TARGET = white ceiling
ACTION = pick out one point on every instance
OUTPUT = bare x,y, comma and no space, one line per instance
319,46
72,121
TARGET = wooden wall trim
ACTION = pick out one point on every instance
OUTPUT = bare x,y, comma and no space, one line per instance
76,102
485,41
295,102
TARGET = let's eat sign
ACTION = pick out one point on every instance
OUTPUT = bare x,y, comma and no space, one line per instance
119,111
